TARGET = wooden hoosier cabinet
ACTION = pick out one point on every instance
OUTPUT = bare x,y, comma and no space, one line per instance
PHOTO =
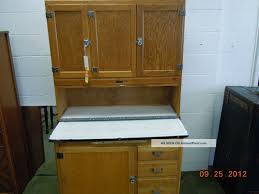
117,68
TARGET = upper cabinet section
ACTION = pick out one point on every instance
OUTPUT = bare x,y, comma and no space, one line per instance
66,34
112,36
160,30
130,42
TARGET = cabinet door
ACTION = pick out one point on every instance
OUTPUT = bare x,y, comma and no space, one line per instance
113,36
67,29
97,170
160,35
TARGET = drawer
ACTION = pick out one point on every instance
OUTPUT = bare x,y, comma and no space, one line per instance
164,185
150,153
157,168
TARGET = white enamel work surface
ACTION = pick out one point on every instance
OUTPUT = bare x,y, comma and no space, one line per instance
105,130
87,113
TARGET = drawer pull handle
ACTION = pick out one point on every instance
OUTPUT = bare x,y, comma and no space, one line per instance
155,192
157,154
157,170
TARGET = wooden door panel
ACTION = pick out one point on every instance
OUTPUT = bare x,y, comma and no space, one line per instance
66,33
97,170
112,33
161,28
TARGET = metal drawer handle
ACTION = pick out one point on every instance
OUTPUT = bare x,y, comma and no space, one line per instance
157,154
157,170
156,192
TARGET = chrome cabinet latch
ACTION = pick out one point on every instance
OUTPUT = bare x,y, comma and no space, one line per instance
87,42
139,41
133,179
90,13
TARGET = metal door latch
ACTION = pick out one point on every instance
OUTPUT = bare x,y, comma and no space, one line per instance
90,13
139,41
133,179
87,42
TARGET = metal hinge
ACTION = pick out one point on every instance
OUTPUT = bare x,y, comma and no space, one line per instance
55,69
180,67
95,69
60,155
49,14
182,12
90,13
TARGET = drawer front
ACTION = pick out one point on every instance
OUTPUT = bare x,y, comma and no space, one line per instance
157,169
150,153
157,185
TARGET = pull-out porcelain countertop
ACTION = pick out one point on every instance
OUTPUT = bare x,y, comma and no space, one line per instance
118,130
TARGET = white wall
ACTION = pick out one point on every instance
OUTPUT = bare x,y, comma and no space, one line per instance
218,48
30,48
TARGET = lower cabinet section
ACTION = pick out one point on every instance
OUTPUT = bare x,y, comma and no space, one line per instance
116,168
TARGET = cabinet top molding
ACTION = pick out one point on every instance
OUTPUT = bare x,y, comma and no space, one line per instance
48,2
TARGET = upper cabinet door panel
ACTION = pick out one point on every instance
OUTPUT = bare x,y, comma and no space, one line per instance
113,36
161,28
66,34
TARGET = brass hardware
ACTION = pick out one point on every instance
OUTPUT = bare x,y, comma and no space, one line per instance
90,13
157,154
139,41
133,179
157,170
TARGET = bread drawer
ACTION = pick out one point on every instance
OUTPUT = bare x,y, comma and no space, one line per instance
157,168
164,185
146,153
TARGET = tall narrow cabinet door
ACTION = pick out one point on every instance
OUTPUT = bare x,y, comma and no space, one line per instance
113,36
66,24
160,40
97,170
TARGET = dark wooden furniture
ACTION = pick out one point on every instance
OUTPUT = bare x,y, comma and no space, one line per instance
14,173
34,140
238,141
21,147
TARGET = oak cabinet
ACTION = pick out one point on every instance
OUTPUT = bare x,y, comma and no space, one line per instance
112,36
66,34
118,40
160,29
102,170
116,169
